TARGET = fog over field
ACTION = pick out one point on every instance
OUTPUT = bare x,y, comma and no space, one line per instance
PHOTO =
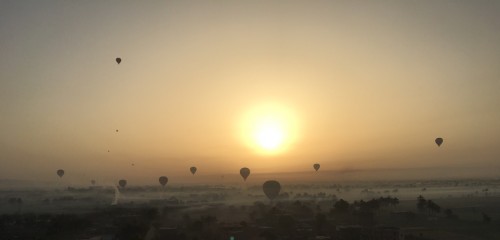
466,207
309,177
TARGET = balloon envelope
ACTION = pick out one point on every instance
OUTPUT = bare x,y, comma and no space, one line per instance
118,60
245,172
193,170
271,189
60,172
122,183
439,141
316,166
163,180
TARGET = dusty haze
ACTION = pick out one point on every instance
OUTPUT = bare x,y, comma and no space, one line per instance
371,86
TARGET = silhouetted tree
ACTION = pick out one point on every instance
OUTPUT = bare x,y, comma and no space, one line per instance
341,206
421,203
394,201
334,198
449,214
284,195
301,210
431,205
373,204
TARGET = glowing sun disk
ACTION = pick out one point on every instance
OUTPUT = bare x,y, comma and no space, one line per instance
269,135
269,129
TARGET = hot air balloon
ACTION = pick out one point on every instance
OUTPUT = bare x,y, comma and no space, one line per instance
92,181
439,141
118,60
316,166
163,180
60,173
122,183
193,170
271,189
244,172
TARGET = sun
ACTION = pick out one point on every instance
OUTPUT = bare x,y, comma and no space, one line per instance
269,129
269,133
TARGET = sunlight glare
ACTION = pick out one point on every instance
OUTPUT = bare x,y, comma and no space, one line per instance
269,129
269,134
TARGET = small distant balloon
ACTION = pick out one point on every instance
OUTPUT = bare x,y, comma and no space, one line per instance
116,130
193,170
271,189
122,183
439,141
92,181
163,180
118,60
245,172
60,173
316,166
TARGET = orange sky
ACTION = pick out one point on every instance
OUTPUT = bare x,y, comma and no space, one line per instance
369,85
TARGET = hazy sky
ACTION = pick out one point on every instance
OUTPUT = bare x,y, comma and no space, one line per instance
365,84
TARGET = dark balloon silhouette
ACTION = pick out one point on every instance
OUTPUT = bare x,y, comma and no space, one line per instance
122,183
116,130
60,173
244,172
193,170
439,141
118,60
271,189
316,166
92,181
163,180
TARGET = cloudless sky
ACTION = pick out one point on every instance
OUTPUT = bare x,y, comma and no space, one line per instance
370,84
